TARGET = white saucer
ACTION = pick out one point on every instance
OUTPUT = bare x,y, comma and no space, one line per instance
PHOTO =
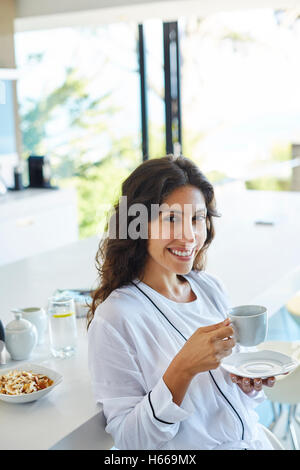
259,364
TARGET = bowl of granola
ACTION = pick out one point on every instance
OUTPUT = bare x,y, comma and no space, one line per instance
27,382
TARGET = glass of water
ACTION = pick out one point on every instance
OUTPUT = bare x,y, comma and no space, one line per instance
62,326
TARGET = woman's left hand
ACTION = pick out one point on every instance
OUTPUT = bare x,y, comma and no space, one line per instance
248,385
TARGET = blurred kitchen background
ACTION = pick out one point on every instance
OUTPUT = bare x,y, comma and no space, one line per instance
95,87
89,89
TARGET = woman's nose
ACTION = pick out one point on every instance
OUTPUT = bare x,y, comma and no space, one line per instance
187,232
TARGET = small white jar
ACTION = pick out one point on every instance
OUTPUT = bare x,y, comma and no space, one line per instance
20,338
37,316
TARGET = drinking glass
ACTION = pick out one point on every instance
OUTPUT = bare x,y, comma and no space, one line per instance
62,326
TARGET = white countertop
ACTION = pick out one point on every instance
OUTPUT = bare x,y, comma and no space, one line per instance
15,203
254,269
41,424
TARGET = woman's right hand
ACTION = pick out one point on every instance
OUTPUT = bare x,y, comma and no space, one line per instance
206,347
202,351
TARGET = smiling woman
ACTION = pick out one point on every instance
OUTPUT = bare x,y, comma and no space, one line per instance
120,260
158,326
180,242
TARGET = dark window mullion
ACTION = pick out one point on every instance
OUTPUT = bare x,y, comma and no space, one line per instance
172,86
167,80
143,89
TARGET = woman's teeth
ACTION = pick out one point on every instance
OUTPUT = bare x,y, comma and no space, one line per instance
181,253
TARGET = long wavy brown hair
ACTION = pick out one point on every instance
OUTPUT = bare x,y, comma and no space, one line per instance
121,260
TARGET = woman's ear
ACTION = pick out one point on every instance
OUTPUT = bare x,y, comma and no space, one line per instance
207,223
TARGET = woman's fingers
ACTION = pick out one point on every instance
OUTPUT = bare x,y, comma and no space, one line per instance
269,382
257,383
247,385
243,382
215,326
224,344
234,378
222,333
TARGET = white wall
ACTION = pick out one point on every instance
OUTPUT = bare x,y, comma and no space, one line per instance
33,14
7,60
27,8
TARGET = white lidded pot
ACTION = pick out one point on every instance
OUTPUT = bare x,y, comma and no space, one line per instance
37,316
20,338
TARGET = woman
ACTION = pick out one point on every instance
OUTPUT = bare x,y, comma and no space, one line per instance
158,327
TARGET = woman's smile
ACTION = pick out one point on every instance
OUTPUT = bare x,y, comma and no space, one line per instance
181,255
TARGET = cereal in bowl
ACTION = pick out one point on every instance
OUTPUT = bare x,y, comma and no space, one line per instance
18,382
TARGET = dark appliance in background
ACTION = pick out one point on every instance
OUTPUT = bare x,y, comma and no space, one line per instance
2,344
39,172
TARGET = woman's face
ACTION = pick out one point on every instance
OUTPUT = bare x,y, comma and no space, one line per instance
180,231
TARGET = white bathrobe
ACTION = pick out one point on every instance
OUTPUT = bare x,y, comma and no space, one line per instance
131,345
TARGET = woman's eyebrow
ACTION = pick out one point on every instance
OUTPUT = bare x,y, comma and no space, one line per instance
203,209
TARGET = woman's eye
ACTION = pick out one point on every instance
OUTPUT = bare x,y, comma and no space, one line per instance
200,217
171,218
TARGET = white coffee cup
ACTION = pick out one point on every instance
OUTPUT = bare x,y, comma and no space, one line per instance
250,324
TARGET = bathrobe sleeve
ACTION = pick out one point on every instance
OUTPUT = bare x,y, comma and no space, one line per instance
137,418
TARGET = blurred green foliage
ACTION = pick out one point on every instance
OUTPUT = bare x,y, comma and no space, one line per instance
97,192
269,184
74,160
280,152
